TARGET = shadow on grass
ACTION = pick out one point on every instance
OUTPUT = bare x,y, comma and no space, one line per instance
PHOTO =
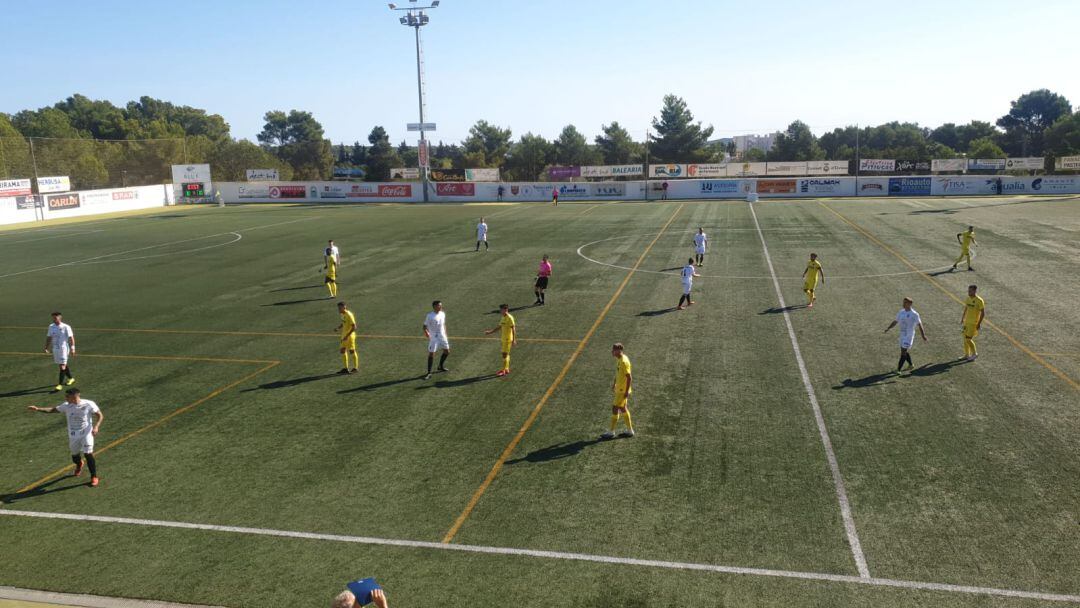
456,383
295,288
461,252
873,380
657,313
378,385
933,369
291,302
513,309
37,390
671,269
555,452
43,489
777,310
290,382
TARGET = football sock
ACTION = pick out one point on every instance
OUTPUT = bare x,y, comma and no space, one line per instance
333,287
77,459
900,363
907,357
442,359
506,362
478,245
486,246
92,464
356,358
330,288
537,292
345,360
614,422
60,379
542,298
629,424
430,360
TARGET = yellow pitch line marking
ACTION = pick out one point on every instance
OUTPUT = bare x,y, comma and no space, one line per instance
551,389
1058,354
279,334
153,425
1057,372
146,357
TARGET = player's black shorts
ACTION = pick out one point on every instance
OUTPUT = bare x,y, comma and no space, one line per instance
541,282
329,280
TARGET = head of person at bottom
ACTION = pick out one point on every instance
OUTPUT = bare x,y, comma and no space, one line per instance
504,309
907,303
57,317
72,395
436,305
813,256
972,289
617,349
342,306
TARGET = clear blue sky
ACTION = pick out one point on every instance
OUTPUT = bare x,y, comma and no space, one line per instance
539,65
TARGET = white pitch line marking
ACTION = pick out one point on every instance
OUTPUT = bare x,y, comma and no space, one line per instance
562,555
834,467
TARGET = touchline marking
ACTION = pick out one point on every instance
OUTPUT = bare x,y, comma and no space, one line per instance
202,332
674,273
154,424
510,447
830,455
560,555
1018,344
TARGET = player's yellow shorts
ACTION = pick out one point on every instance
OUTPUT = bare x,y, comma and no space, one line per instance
808,286
349,343
506,345
619,401
970,331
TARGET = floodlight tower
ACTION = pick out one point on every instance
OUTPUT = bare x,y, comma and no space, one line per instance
416,18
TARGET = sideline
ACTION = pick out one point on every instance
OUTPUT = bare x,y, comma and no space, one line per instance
452,532
14,597
830,455
561,555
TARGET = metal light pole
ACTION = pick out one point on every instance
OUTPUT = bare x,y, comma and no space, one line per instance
415,17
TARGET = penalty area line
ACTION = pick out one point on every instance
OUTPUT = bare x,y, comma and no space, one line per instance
558,555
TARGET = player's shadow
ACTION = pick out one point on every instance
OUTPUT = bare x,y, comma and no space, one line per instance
460,252
457,383
512,309
378,385
37,390
657,313
290,382
872,380
933,212
291,302
670,269
938,273
933,369
778,310
557,451
43,489
295,288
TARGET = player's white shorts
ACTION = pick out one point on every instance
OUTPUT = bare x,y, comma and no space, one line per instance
699,250
482,237
907,341
436,343
686,287
60,354
81,442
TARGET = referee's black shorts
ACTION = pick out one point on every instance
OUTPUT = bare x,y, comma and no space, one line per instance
541,282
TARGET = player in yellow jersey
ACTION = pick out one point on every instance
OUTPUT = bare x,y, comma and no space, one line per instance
812,273
966,240
508,328
971,321
348,339
331,264
621,387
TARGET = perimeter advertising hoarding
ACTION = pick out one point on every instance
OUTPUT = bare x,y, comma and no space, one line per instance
573,191
964,185
786,168
910,166
59,183
256,191
881,165
828,167
609,189
481,175
747,169
986,164
940,165
447,175
707,170
59,202
14,187
561,173
776,186
1068,163
1032,163
721,188
612,171
822,185
455,189
909,186
262,175
872,186
28,201
667,171
288,192
405,173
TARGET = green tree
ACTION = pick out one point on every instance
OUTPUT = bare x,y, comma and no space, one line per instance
358,155
46,122
796,143
572,149
231,159
678,139
985,147
297,138
1063,137
616,147
754,155
528,157
1029,117
486,145
381,156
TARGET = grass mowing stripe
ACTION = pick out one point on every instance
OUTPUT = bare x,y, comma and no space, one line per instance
551,389
1057,372
154,424
276,334
14,597
147,357
834,466
560,555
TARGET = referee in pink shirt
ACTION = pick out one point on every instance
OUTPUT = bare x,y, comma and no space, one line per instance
541,284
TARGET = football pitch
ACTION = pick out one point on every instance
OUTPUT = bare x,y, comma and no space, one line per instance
779,459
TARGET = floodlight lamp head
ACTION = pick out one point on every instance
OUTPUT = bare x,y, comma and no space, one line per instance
403,21
393,6
435,4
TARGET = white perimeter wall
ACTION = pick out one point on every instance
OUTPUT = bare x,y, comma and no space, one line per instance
91,202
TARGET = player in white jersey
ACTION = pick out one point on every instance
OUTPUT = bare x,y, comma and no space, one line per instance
331,251
481,235
435,332
701,243
688,273
908,319
81,430
60,341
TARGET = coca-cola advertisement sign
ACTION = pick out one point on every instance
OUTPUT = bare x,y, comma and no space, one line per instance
395,191
453,189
